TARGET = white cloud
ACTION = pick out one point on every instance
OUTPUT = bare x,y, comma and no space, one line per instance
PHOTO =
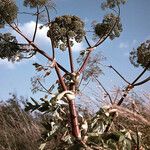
28,29
78,47
41,37
9,65
123,45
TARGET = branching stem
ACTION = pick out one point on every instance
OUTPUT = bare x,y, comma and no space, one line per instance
36,49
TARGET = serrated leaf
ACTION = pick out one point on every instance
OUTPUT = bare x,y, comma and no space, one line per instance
34,100
29,106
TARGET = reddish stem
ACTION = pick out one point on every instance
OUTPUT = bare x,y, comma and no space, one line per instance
85,61
74,120
73,114
72,108
36,49
60,78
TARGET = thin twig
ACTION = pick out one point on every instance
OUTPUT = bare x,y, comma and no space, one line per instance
36,25
142,82
26,13
48,16
60,78
146,68
119,74
88,43
16,26
117,92
43,87
81,80
33,14
85,85
104,90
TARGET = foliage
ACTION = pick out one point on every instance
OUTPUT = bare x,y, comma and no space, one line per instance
64,27
12,50
93,68
35,3
25,130
141,56
8,46
112,3
101,29
8,12
122,136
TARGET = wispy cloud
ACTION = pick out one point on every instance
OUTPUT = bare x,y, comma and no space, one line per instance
134,42
5,63
123,45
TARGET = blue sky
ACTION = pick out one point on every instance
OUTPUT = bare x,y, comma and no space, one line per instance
135,16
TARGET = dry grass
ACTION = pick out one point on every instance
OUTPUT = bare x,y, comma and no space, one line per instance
18,130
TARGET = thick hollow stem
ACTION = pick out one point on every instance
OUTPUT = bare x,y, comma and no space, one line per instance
72,109
74,120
